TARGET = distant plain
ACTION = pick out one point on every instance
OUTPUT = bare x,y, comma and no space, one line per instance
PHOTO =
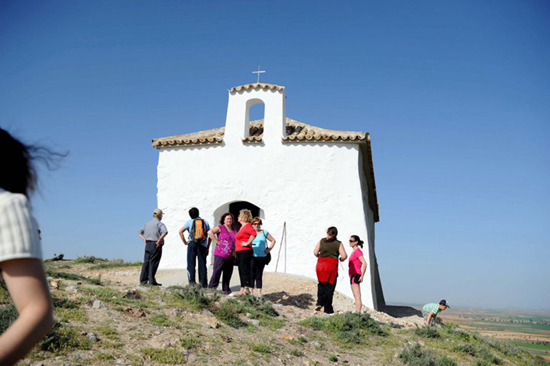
527,329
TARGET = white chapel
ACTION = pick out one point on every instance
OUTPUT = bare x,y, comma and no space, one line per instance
299,178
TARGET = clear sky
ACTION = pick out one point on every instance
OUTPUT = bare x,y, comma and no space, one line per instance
456,96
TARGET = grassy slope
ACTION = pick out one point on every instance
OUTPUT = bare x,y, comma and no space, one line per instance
196,327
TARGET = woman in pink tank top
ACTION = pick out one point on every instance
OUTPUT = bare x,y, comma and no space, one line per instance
357,268
223,236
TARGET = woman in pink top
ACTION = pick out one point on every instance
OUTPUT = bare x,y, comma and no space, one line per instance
357,268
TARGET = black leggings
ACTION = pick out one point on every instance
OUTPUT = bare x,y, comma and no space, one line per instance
325,294
244,258
257,271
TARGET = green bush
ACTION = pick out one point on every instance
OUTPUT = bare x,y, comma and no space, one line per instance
467,348
228,313
73,277
90,259
62,338
164,355
161,320
260,348
416,356
8,314
258,308
116,263
189,342
427,332
193,297
348,328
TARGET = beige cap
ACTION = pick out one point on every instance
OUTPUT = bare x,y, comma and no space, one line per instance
157,212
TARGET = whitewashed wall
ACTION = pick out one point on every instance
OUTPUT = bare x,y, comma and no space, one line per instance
311,186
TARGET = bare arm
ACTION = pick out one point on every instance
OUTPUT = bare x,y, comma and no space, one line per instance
363,267
250,240
182,230
212,234
26,283
430,316
143,238
272,241
161,239
343,254
317,249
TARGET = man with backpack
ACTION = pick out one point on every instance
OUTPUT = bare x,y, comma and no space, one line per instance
197,246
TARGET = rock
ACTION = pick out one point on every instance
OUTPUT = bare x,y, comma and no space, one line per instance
98,304
72,288
92,337
207,312
54,285
176,312
118,361
136,313
254,322
208,320
316,344
227,338
132,294
191,358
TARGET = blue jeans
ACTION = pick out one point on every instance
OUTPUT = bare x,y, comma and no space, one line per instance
195,251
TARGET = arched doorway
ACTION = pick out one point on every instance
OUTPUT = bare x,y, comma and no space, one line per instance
236,207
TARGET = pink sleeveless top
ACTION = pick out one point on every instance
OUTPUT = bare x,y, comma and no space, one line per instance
227,243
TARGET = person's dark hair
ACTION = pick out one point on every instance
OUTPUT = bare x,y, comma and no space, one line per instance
358,240
194,212
18,170
332,231
222,219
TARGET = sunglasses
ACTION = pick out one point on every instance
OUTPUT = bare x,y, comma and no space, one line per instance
352,241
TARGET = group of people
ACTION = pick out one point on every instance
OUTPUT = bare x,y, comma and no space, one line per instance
328,251
243,243
240,242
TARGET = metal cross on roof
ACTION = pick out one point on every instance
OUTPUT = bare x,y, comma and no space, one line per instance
258,72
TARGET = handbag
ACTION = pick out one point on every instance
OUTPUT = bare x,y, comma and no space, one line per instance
268,256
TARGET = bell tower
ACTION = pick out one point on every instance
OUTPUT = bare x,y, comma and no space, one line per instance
241,98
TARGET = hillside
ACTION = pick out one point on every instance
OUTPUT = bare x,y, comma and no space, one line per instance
102,318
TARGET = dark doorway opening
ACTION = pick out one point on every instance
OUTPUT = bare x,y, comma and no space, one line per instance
236,207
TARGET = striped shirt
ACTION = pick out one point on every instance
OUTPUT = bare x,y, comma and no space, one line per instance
18,228
429,308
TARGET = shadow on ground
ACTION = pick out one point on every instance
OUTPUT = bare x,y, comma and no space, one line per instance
400,311
302,301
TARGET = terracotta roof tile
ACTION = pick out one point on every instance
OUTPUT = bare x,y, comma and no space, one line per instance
256,86
207,137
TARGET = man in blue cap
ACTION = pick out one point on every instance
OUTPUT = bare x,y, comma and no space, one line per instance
430,311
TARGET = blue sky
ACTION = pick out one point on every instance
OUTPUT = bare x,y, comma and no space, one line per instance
455,96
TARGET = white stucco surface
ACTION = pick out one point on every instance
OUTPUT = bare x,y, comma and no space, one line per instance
310,186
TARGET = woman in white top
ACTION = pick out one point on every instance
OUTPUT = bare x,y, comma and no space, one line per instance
20,254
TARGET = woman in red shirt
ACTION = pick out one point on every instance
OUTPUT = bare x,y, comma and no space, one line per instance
243,248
